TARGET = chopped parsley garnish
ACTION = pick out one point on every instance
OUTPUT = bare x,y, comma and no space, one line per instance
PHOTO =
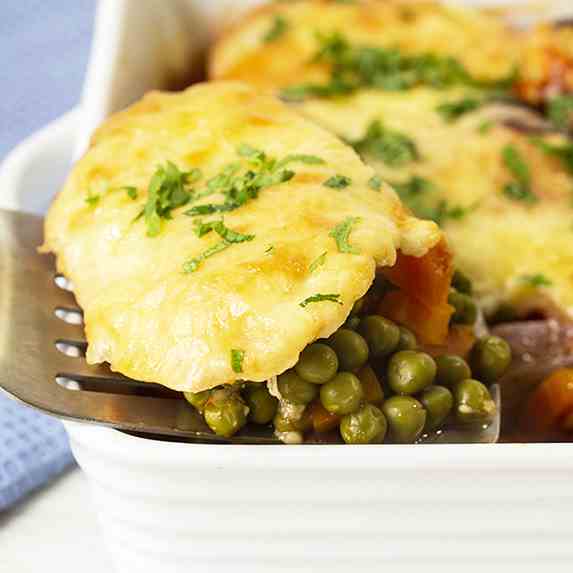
239,187
560,111
341,233
269,249
422,197
358,66
237,357
375,183
131,192
92,199
318,262
193,264
387,145
520,188
278,28
338,182
536,280
485,126
452,111
167,191
320,298
562,152
228,235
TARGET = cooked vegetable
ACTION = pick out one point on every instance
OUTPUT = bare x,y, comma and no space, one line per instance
438,402
465,308
550,406
473,402
490,358
322,419
262,406
407,340
343,394
451,369
317,364
406,418
225,412
351,349
381,335
373,391
410,371
198,399
296,390
366,426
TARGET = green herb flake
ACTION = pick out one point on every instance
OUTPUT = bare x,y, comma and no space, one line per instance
485,126
560,111
193,264
536,280
278,28
301,158
341,234
92,199
375,183
318,262
320,298
353,67
387,145
562,152
520,188
131,192
452,111
269,250
338,182
237,357
166,192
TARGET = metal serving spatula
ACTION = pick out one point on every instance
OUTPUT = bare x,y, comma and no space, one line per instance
42,363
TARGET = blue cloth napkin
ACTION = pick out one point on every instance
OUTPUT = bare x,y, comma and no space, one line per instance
43,53
33,449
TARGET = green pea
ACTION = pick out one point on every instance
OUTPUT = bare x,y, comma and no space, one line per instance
451,369
283,424
406,418
352,323
465,309
351,349
225,413
490,358
381,335
438,402
407,340
317,364
198,399
410,371
262,406
342,394
462,283
296,390
357,307
473,402
366,426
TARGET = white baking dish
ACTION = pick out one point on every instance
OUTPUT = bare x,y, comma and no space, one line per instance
174,508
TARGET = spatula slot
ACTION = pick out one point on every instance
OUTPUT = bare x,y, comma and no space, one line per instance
72,348
69,315
114,386
62,282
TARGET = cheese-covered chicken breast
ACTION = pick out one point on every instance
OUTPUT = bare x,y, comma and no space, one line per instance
421,91
212,234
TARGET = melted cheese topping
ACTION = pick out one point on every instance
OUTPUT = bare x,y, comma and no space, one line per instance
500,241
153,322
482,42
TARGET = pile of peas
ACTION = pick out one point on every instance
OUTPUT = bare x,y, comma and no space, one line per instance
373,380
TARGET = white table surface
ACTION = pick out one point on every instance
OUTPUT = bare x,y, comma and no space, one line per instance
55,529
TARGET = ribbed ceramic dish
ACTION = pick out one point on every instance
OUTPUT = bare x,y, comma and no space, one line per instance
174,508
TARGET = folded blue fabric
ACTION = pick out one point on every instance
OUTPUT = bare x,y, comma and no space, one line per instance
33,450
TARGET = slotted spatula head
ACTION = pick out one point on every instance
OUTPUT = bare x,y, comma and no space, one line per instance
42,356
